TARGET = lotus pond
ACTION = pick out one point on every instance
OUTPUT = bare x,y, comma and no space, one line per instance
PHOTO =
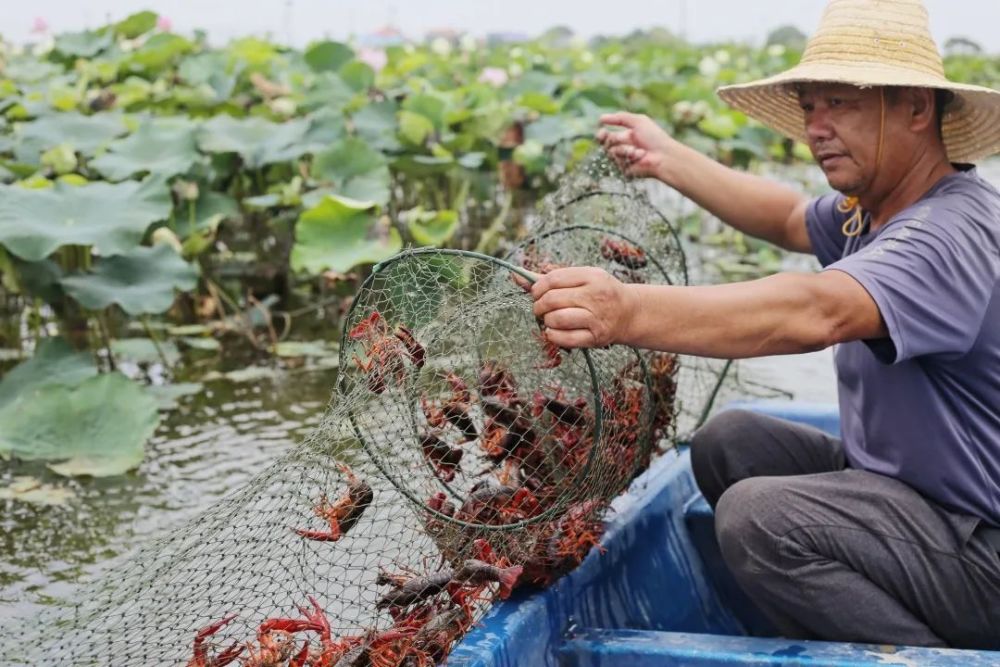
182,227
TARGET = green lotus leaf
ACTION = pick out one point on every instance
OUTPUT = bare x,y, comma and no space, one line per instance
163,146
61,159
97,428
355,170
40,279
111,217
145,351
158,52
357,75
329,92
167,395
432,228
55,363
328,56
339,234
303,348
86,134
414,127
255,52
86,44
551,130
719,126
209,210
259,142
326,126
30,70
431,107
141,281
376,124
135,24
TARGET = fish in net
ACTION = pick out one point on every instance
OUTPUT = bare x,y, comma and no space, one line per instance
463,456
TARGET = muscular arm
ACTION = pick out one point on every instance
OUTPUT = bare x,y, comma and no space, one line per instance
783,314
752,204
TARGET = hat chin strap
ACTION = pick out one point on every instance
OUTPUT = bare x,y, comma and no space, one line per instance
854,224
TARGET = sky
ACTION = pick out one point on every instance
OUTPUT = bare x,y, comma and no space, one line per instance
300,21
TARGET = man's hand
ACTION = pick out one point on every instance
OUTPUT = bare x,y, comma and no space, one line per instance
642,149
584,307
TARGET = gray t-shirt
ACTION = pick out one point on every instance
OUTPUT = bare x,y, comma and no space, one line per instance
923,405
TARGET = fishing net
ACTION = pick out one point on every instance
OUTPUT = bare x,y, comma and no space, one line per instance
463,455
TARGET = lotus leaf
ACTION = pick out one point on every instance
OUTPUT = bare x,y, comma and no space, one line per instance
145,351
358,76
415,128
159,51
376,124
432,228
55,362
339,234
328,56
354,170
99,427
141,281
31,71
111,217
135,24
256,53
86,44
259,142
40,279
86,134
163,146
167,394
303,348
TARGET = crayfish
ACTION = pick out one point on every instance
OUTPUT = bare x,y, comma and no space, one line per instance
385,351
342,514
201,657
441,455
624,253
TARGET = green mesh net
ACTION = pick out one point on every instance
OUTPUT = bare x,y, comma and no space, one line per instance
462,456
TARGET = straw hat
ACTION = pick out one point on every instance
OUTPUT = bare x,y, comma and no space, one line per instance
875,43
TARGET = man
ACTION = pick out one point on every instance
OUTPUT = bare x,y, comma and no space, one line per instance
890,534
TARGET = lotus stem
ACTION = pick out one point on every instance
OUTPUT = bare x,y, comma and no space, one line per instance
156,342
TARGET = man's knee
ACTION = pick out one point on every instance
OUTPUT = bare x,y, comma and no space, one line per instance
750,519
711,445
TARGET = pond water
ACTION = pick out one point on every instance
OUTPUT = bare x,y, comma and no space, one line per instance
214,442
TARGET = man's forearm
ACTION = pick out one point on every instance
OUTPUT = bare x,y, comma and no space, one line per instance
781,314
754,205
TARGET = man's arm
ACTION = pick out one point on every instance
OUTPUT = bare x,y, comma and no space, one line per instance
783,314
754,205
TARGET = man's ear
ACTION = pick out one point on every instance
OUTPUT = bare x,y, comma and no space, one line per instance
920,101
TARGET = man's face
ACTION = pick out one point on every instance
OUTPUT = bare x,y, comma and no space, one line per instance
842,124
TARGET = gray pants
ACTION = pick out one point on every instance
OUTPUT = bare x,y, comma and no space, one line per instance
828,552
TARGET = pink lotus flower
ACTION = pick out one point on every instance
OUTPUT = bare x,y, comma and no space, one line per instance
164,24
39,25
374,58
494,76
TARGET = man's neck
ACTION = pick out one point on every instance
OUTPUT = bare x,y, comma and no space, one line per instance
909,188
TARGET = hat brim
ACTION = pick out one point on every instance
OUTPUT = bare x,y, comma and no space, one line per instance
971,123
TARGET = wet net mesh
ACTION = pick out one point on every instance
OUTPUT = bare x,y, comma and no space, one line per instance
463,456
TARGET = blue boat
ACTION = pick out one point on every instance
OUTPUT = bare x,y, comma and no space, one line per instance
659,594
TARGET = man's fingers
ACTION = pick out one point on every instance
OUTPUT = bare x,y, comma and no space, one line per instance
571,338
627,153
612,139
568,319
620,119
523,282
561,279
567,297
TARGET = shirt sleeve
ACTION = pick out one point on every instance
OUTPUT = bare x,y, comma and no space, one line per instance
824,224
932,276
